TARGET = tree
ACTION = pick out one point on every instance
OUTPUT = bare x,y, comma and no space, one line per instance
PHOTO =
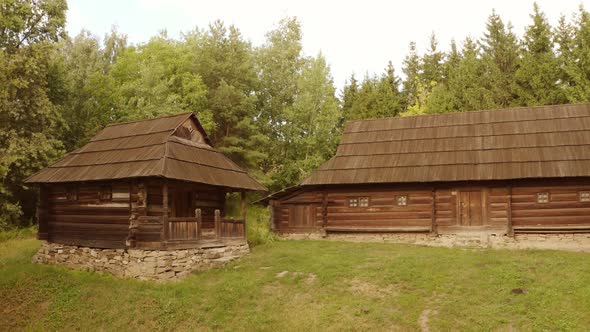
411,68
225,62
30,124
577,60
500,56
312,134
151,80
279,64
90,96
537,77
348,97
432,65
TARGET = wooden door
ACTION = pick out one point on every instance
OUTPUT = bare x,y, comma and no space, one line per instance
470,208
302,216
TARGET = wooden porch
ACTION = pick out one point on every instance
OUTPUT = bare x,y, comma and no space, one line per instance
181,221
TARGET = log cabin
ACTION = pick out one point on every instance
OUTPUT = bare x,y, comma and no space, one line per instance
500,172
150,184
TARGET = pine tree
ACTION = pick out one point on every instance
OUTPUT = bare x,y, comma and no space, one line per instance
348,96
411,69
432,65
500,56
563,38
536,78
577,66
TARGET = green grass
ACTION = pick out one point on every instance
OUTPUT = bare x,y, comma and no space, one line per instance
357,286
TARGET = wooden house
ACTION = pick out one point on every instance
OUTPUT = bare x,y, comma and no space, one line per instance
521,170
151,184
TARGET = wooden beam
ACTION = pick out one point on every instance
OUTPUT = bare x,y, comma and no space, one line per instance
324,209
164,211
433,212
243,201
199,217
217,223
42,202
271,214
510,228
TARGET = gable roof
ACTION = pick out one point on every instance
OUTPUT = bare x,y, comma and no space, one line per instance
532,142
148,148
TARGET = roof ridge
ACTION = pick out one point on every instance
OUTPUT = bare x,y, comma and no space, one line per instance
150,119
458,112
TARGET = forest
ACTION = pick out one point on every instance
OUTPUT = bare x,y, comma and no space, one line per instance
271,108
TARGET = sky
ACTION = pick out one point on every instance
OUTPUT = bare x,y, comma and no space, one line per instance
357,37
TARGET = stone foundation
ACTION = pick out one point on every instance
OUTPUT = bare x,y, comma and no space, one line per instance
158,265
571,241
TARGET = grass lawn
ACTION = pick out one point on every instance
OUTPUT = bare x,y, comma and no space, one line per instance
329,286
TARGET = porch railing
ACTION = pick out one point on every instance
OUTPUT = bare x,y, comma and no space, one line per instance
185,228
229,227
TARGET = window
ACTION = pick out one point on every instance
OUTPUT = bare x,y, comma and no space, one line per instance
543,198
353,202
105,194
72,194
364,201
401,200
584,196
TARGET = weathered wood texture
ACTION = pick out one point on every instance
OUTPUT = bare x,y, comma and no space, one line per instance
564,209
493,206
85,219
75,214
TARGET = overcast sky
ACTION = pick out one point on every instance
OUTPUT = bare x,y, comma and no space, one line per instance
355,36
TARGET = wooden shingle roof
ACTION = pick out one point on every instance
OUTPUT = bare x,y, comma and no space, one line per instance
148,148
534,142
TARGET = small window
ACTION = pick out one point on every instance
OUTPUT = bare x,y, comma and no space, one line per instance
402,200
105,194
72,194
542,198
353,202
584,196
364,201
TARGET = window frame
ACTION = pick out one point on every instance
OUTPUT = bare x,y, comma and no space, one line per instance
105,193
582,199
401,198
366,199
543,201
72,194
351,200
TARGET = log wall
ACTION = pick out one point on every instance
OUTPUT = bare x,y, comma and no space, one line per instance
503,206
86,219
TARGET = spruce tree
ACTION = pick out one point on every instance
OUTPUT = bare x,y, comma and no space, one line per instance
537,76
411,69
500,56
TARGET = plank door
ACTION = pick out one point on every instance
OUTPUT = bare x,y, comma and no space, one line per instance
470,208
302,216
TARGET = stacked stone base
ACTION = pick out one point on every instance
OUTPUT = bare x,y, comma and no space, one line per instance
571,242
158,265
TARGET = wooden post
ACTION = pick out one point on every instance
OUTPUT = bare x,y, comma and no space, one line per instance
165,211
433,212
510,228
217,223
271,214
243,208
42,233
199,217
